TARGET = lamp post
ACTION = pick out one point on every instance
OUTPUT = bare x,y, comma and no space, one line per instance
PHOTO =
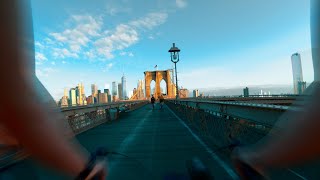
174,52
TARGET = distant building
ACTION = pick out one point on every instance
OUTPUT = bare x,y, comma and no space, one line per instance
102,98
301,87
114,89
246,92
94,92
80,94
64,101
120,91
195,93
183,93
124,88
107,91
297,71
140,90
90,99
114,98
94,89
72,97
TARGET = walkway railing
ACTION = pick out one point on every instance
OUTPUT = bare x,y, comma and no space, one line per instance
220,122
83,118
80,119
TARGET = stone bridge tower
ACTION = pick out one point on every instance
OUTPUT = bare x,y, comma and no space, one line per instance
158,76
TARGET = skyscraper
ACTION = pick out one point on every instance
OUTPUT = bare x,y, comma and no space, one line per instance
72,97
64,100
80,94
195,93
246,92
120,91
107,91
114,89
94,89
297,71
94,93
124,88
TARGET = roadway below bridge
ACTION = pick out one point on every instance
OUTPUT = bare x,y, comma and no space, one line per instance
157,142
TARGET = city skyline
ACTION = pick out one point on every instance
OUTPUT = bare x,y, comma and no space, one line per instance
243,45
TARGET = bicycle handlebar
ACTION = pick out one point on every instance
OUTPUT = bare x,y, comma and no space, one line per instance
196,168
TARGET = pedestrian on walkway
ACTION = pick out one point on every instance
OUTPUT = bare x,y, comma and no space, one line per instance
161,99
153,100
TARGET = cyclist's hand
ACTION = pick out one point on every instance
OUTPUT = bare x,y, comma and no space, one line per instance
99,171
246,166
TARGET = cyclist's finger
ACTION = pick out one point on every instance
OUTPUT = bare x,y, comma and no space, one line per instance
99,171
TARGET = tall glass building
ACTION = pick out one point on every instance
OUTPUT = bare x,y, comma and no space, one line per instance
124,88
296,71
114,88
72,97
120,91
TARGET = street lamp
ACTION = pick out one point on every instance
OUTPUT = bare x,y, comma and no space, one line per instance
174,52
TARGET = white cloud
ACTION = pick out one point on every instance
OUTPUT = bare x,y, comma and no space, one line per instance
90,54
59,37
181,3
40,58
126,35
45,72
123,53
63,53
64,62
39,45
84,27
53,63
150,21
85,32
48,41
108,67
130,54
122,37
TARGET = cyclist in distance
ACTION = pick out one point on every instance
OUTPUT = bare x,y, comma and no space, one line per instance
29,115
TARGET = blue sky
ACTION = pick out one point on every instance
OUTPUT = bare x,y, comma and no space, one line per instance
224,43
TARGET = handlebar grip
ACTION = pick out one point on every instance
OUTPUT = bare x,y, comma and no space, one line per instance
247,172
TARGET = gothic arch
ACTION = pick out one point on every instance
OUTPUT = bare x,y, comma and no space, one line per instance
158,76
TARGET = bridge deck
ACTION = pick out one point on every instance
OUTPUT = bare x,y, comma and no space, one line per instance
157,142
